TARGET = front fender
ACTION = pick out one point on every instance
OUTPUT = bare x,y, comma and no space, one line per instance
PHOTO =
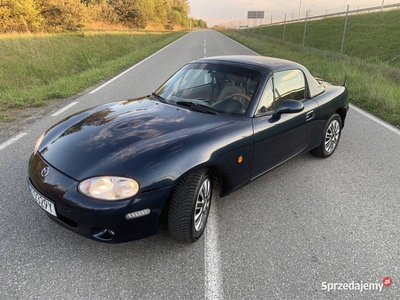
229,148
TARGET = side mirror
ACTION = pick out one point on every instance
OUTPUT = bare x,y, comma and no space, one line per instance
289,107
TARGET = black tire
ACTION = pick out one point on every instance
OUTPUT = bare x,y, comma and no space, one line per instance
190,205
331,137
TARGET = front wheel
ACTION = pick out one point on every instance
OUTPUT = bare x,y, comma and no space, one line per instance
331,137
190,205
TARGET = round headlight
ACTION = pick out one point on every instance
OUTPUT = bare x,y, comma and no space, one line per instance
39,140
109,188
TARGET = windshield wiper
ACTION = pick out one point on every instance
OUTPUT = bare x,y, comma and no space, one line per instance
159,97
199,107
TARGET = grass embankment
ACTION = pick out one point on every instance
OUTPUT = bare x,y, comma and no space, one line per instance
374,37
36,68
374,86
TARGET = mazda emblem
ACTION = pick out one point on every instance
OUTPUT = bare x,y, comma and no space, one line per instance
45,171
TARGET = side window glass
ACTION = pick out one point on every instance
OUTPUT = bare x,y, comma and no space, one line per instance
289,85
266,100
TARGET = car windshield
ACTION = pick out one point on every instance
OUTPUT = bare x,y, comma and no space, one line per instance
223,89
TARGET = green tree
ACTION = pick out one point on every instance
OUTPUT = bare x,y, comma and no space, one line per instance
201,23
100,11
68,15
130,13
161,11
147,9
19,15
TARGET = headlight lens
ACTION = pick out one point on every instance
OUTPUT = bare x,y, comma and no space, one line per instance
109,188
39,140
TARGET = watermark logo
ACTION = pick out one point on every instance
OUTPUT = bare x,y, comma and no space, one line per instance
356,286
387,281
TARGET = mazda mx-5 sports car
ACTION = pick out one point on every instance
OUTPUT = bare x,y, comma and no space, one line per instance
110,172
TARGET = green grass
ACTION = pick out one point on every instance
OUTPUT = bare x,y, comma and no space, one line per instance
374,37
36,68
5,118
372,86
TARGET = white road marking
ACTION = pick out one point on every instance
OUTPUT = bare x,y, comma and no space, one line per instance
375,119
12,140
131,68
64,109
212,259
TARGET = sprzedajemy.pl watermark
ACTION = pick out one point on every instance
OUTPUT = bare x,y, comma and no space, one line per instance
356,286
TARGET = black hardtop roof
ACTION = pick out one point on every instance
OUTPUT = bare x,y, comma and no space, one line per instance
271,63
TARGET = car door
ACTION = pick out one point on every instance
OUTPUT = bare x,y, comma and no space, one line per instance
277,138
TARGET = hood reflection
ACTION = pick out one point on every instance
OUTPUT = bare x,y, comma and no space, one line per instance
115,138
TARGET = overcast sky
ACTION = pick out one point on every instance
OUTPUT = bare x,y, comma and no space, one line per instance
219,11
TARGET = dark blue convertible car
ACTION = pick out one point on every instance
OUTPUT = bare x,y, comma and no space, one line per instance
110,172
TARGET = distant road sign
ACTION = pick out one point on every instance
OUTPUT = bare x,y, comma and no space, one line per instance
255,14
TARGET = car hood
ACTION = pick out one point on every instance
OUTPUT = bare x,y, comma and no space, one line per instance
111,139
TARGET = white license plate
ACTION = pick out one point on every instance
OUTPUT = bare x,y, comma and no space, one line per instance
44,203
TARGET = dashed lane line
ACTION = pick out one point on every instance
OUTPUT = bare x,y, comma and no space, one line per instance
64,109
12,140
212,258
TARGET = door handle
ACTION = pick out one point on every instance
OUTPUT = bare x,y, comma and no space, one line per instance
310,115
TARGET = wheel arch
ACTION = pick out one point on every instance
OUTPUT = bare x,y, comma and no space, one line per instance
220,181
342,112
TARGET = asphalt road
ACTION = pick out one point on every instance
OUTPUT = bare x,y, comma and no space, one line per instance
286,235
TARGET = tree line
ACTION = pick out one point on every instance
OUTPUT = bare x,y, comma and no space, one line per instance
73,15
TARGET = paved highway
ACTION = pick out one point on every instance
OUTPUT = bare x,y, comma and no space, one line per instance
291,234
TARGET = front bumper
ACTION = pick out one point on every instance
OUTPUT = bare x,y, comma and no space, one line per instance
104,221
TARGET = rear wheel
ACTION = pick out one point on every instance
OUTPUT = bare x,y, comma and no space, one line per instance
190,205
331,137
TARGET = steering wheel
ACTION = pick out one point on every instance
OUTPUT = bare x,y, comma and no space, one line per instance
248,98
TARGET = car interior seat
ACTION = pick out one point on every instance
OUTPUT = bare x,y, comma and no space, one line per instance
233,86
